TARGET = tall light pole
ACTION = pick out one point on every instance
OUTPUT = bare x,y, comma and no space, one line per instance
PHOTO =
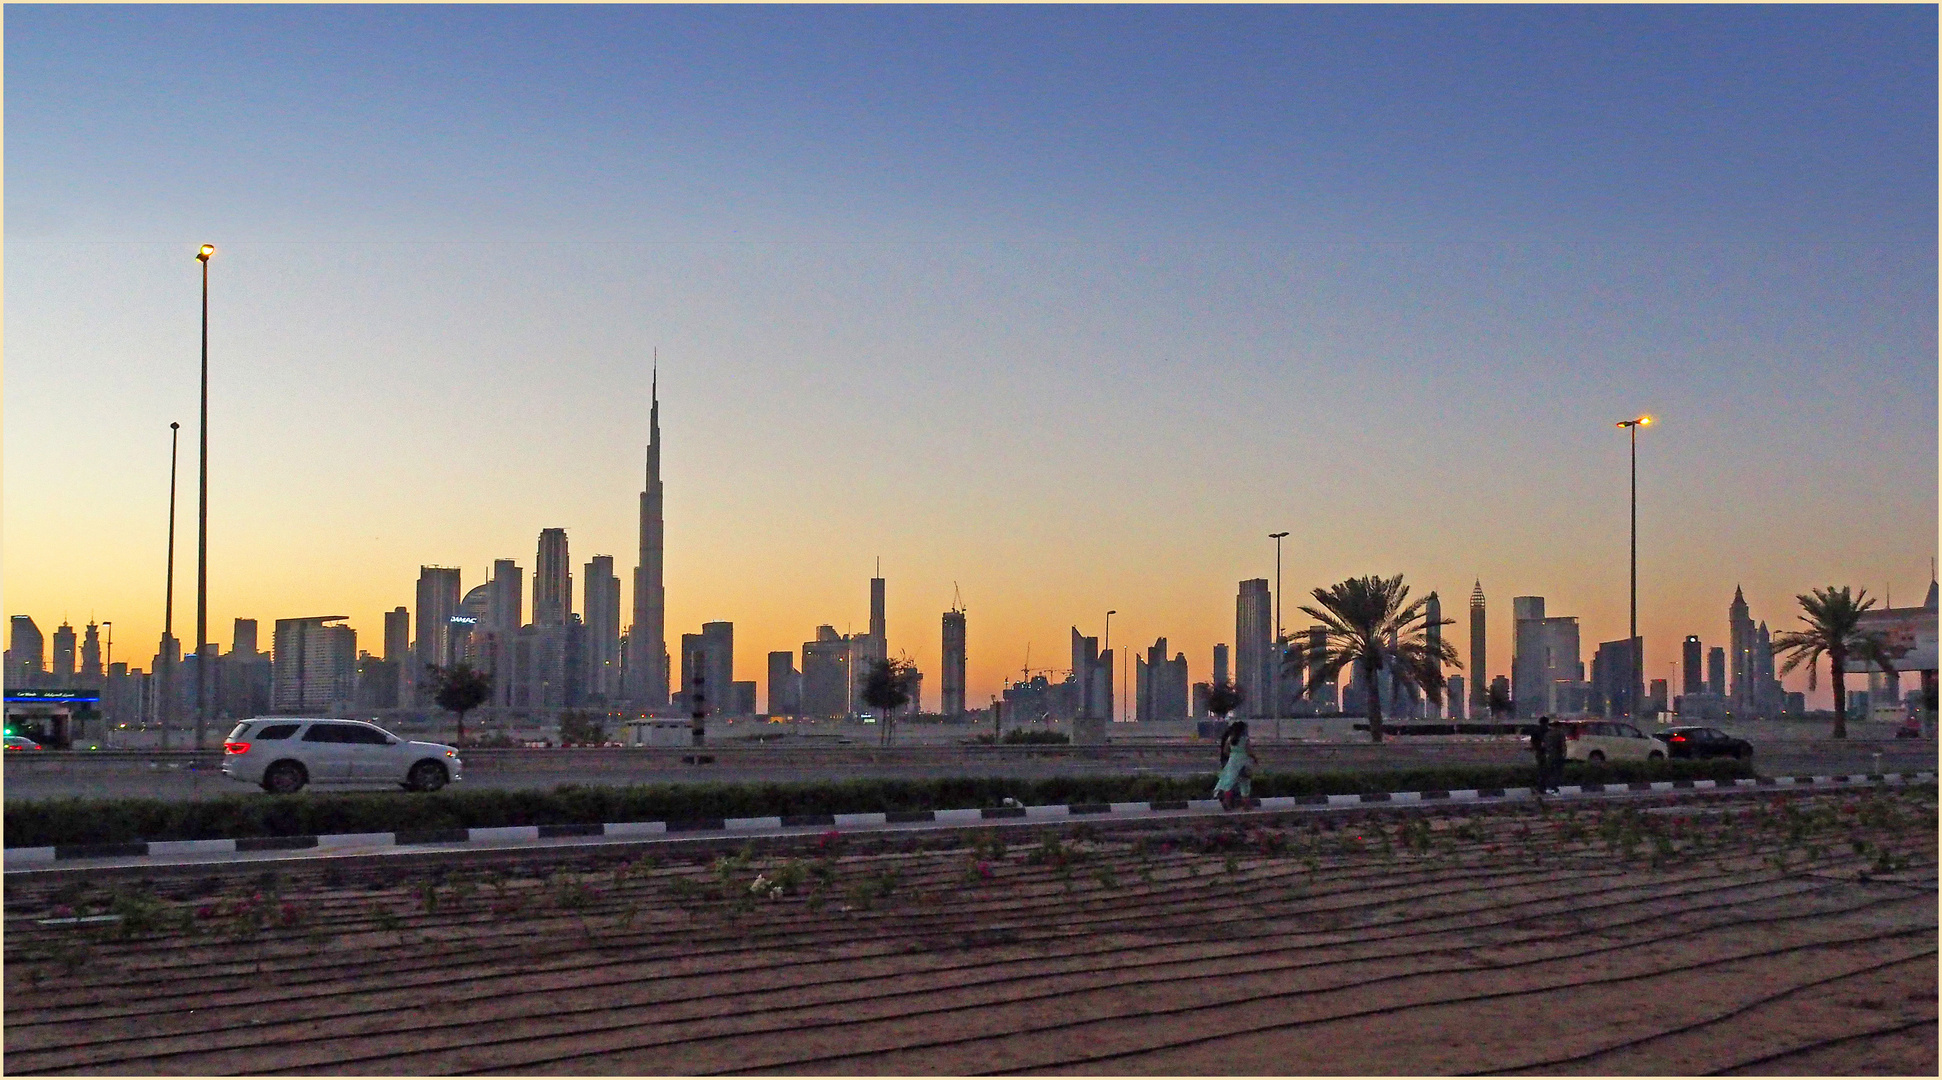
1108,647
167,703
1280,643
1632,427
202,520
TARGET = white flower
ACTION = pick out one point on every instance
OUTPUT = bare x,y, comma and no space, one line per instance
761,883
775,893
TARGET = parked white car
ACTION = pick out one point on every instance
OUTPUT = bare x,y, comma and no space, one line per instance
1614,740
283,754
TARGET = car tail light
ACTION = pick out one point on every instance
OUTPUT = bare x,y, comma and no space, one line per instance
1678,738
235,748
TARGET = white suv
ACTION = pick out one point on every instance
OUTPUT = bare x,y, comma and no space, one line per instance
1598,740
283,755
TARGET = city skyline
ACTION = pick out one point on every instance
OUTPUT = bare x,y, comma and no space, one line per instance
1186,303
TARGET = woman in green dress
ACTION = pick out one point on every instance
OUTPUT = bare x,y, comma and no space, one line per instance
1235,785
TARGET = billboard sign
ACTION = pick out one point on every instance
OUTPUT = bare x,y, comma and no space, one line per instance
1909,634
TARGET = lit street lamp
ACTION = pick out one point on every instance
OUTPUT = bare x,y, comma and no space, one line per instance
202,520
1638,652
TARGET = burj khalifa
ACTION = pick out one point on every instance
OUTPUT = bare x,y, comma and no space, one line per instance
647,647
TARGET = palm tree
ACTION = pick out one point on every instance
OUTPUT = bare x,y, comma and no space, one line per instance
1223,698
1833,621
1368,624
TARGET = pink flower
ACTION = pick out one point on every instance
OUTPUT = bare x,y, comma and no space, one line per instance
984,870
206,911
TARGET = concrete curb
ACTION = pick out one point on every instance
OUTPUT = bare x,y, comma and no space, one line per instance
24,858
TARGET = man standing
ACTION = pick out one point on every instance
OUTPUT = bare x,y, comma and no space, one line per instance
1541,749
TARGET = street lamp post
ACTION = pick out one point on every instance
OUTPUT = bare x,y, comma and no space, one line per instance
167,703
1280,642
1638,652
202,520
1107,648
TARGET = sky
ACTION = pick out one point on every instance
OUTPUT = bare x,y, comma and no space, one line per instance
1062,309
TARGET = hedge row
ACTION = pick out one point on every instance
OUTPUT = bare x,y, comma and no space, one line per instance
96,821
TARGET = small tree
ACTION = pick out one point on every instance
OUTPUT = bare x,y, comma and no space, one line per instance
1833,621
1223,698
1500,703
886,688
584,728
460,689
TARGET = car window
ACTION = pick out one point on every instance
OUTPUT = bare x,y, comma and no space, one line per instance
238,732
1713,733
1598,729
276,731
1629,731
366,736
330,733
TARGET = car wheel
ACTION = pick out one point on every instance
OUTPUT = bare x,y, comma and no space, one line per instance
1595,755
426,776
1655,756
285,778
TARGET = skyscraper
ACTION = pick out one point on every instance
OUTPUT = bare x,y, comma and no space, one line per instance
709,655
1690,655
438,601
1739,655
826,674
1546,672
64,654
27,648
952,703
647,662
315,665
1324,692
1161,685
552,580
1479,677
1457,697
507,610
1716,670
242,638
785,685
602,601
91,653
1254,658
1433,632
397,634
1092,673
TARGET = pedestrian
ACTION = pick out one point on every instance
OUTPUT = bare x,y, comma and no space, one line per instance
1554,755
1235,786
1541,749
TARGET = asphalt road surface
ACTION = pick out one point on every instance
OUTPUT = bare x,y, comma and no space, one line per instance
43,775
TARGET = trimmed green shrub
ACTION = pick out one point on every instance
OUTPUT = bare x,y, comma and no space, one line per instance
98,821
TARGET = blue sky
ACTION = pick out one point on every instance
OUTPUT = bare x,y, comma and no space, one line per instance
1066,305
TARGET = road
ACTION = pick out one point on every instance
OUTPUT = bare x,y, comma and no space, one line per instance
184,776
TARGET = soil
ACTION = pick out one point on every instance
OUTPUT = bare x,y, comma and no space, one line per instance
1780,936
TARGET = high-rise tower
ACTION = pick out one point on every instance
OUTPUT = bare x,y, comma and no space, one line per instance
1479,678
647,661
952,702
1739,657
1433,632
552,580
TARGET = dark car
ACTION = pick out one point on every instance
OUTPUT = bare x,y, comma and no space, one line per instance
1703,742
